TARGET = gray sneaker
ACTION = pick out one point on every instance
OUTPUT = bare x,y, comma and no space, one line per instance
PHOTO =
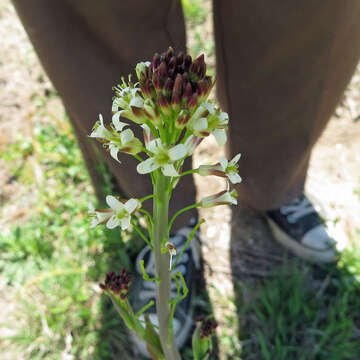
299,227
142,291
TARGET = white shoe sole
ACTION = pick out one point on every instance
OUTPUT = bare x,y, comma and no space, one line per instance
311,255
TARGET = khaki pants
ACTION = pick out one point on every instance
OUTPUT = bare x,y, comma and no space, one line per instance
282,67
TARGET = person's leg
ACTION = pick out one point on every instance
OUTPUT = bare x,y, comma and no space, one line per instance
85,47
282,67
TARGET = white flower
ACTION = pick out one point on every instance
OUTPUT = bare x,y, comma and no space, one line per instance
99,216
125,142
225,197
130,102
119,214
162,157
231,168
224,168
99,130
208,120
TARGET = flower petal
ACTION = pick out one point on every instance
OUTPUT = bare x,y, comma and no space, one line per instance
147,166
177,152
126,136
114,203
131,205
169,170
235,159
114,152
136,101
113,222
125,222
234,177
155,145
223,162
200,124
220,136
119,125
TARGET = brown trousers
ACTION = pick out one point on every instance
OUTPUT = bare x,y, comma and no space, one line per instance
282,67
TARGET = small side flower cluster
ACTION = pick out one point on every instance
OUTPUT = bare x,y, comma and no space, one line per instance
118,285
207,326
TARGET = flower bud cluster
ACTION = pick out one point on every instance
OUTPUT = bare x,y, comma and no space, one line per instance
207,326
117,284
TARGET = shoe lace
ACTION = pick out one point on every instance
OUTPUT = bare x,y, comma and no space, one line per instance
297,209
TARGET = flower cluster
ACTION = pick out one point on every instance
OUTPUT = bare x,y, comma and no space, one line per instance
207,326
119,213
117,284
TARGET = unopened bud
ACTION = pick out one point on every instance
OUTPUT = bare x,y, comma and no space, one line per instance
155,61
182,119
193,101
164,104
180,58
169,83
187,61
178,84
175,101
172,63
163,70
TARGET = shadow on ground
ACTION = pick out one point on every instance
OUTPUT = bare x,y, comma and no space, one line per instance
288,309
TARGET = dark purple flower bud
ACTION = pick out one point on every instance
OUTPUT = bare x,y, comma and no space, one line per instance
163,70
180,58
175,101
155,61
117,284
178,84
193,68
187,91
163,103
200,66
168,86
207,328
172,63
192,102
169,53
156,80
187,61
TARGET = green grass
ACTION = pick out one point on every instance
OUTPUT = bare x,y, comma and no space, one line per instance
194,11
52,260
309,313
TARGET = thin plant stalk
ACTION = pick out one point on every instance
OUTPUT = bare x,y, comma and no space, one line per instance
162,261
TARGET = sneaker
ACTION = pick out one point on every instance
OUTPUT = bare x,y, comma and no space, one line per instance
142,291
299,227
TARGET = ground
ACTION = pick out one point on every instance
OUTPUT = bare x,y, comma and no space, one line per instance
249,251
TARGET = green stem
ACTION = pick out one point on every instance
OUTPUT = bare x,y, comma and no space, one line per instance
146,198
194,171
162,261
191,235
180,212
137,229
138,157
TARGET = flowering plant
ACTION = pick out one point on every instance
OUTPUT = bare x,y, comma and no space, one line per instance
170,103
